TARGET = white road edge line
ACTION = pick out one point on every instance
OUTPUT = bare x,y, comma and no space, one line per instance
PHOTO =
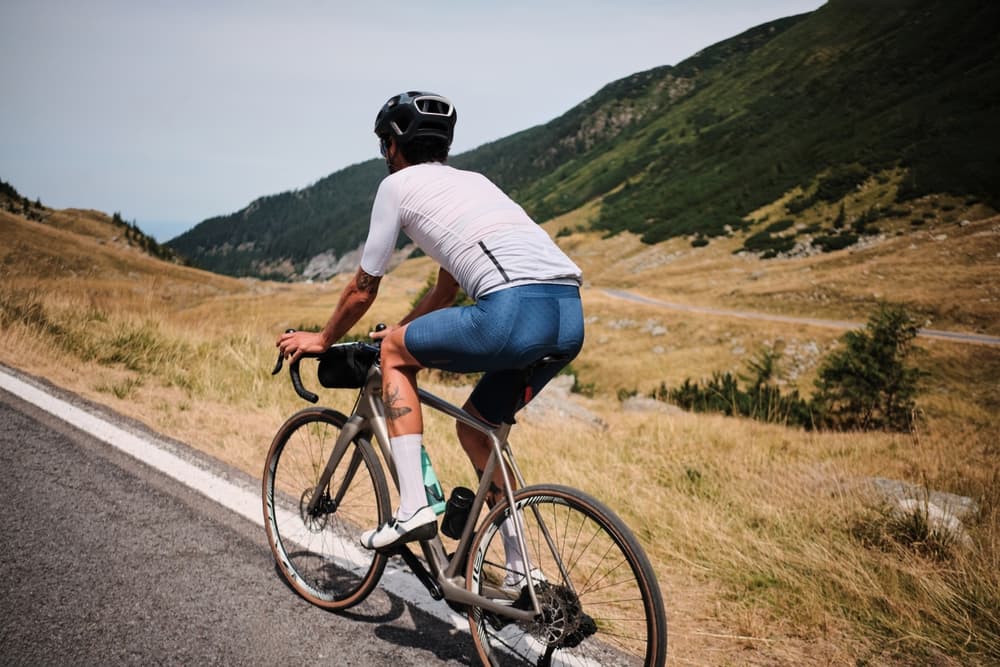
225,493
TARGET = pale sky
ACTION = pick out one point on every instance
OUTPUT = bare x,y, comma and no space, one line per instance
171,112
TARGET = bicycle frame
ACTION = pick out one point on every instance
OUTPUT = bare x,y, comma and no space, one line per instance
368,416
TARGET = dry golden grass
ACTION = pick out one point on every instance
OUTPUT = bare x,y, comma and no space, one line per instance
756,531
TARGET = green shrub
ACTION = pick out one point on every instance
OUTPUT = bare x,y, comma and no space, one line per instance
799,204
780,225
867,385
835,242
841,217
625,394
840,182
760,399
763,241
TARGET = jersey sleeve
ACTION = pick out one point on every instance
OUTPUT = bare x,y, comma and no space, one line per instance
383,230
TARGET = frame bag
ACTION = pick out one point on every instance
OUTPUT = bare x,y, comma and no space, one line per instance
345,365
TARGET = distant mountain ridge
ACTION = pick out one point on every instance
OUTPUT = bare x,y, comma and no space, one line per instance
820,102
117,229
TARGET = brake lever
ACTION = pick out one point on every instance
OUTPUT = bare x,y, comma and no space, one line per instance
281,357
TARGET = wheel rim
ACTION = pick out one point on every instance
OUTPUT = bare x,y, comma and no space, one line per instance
594,609
319,553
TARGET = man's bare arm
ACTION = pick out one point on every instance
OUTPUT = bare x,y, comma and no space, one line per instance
358,296
441,295
355,300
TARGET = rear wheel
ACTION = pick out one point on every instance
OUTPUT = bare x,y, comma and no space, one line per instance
318,551
601,604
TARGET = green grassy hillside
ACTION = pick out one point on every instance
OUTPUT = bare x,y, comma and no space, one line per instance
857,89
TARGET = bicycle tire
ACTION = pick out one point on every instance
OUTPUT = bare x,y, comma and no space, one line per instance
602,607
320,556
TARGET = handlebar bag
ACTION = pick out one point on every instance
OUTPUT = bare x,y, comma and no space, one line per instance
345,365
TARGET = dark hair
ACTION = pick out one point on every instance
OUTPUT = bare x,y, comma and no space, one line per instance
425,149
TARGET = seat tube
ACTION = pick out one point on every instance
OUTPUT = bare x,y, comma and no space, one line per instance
498,449
502,432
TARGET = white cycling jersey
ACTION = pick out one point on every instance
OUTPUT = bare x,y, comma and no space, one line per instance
468,225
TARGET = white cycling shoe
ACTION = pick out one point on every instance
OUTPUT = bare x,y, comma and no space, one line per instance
421,526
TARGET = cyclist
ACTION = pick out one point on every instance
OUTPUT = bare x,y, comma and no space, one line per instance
526,293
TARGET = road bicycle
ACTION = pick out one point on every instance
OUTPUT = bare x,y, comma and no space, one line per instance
584,593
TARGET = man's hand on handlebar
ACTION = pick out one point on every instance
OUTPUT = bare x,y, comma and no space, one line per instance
381,331
296,343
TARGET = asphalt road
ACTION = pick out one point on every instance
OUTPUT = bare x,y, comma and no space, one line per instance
105,561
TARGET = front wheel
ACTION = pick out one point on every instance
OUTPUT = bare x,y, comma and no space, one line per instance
601,604
318,551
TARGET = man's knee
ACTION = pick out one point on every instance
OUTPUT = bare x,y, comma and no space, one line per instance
392,343
394,353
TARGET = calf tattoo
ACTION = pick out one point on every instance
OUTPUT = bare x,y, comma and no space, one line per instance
394,409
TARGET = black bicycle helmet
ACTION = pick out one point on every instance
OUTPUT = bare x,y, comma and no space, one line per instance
416,114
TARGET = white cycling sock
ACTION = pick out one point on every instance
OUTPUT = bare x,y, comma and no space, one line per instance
512,552
406,453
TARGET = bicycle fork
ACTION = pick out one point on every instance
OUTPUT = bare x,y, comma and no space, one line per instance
347,434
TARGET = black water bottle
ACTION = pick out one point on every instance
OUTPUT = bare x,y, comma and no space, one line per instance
456,513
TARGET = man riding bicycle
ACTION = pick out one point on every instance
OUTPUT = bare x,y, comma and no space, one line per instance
526,293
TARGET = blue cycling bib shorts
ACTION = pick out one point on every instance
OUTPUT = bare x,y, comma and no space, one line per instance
502,334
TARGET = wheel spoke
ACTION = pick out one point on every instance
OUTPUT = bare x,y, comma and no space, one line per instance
599,598
318,552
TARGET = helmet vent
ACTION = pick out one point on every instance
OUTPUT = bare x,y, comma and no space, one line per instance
417,114
432,105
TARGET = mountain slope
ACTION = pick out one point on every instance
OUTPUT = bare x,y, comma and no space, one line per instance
819,102
277,235
909,84
105,229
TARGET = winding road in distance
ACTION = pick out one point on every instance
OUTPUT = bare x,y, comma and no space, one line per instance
958,337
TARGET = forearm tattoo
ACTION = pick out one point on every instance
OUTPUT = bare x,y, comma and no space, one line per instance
393,404
367,282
